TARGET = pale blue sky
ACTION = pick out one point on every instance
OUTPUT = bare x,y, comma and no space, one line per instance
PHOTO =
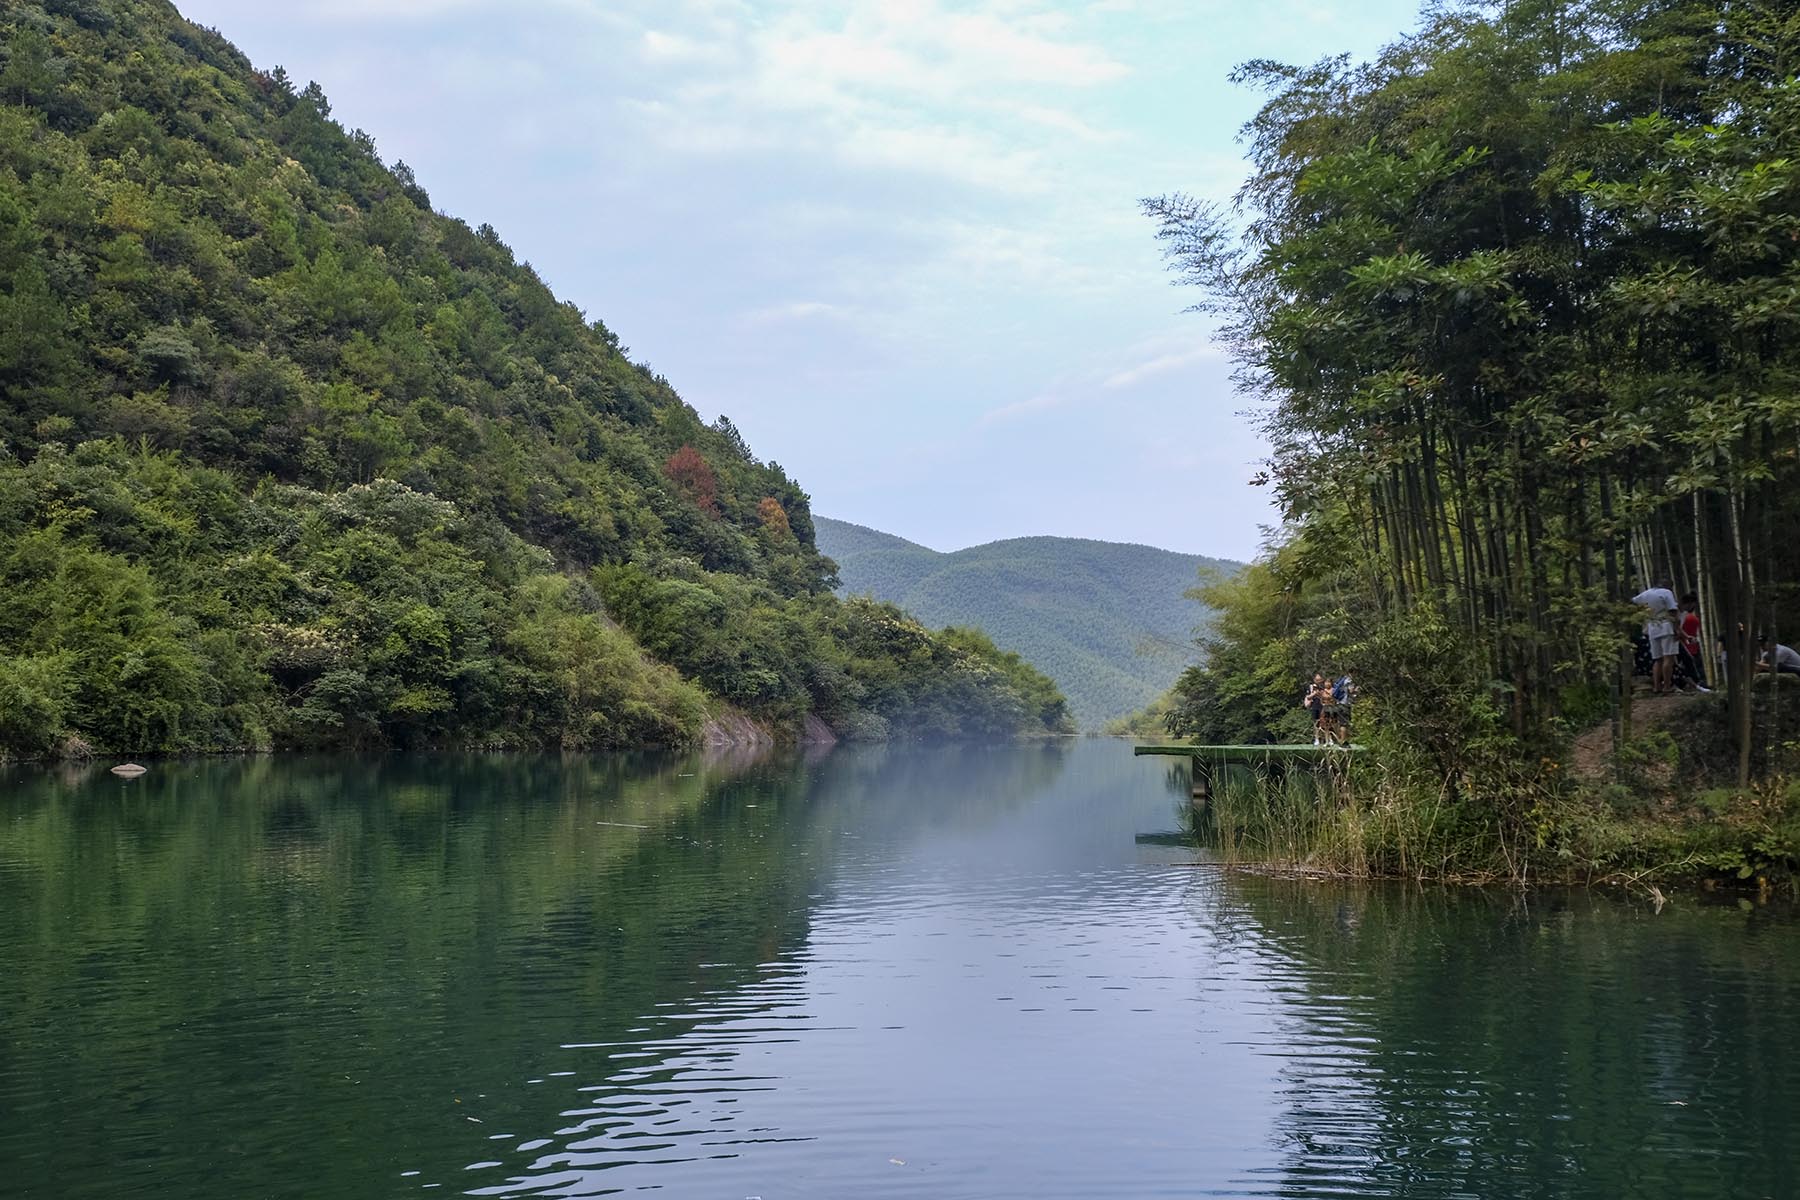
897,243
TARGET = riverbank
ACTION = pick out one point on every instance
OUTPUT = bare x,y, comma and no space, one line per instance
725,728
1661,812
1743,841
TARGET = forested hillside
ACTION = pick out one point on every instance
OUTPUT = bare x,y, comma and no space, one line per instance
1109,622
288,459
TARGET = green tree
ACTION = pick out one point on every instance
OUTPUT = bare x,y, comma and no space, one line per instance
1515,291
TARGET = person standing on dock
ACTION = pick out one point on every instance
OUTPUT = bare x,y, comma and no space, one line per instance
1344,693
1318,697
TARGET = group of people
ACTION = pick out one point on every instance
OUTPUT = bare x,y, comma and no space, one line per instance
1672,643
1672,637
1669,650
1329,703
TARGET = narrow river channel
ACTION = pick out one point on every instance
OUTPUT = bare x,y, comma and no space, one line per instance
871,972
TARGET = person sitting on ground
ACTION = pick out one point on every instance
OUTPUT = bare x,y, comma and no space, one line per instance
1688,667
1659,630
1777,658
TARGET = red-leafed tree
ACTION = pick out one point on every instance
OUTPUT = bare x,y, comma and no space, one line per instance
774,518
693,475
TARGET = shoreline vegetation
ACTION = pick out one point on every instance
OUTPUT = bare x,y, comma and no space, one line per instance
290,460
1518,300
1655,820
1351,827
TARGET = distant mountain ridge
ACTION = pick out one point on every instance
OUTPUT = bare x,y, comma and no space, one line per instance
1108,621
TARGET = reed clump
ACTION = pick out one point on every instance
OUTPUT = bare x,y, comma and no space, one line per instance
1380,815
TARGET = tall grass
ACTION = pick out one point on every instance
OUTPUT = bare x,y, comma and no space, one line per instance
1283,818
1368,819
1355,824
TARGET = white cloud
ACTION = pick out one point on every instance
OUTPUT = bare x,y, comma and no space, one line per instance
974,97
964,157
1041,402
339,10
968,148
401,11
797,310
1012,50
1161,364
1017,258
1061,121
920,49
658,46
1082,388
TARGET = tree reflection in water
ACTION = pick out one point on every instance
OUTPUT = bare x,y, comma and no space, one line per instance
289,976
1468,1043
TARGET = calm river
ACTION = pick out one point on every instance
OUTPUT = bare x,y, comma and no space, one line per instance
954,973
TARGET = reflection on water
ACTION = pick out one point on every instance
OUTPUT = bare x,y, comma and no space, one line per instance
1562,1042
970,972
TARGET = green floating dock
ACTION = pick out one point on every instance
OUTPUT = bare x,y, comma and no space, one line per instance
1253,755
1276,760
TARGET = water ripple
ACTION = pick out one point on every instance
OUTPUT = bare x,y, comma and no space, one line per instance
901,974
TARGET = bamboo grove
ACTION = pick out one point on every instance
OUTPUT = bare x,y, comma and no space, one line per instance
1521,298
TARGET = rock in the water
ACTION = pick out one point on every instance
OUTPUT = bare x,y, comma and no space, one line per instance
130,770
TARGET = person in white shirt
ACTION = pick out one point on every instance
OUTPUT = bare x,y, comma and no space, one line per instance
1659,630
1778,658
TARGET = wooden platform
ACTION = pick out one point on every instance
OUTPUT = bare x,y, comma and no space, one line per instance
1273,760
1252,755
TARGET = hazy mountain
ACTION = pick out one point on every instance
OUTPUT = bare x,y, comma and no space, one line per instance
1107,620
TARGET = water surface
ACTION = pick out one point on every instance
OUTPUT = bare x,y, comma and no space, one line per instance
949,973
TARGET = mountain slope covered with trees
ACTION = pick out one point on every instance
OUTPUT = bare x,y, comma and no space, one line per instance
289,459
1109,621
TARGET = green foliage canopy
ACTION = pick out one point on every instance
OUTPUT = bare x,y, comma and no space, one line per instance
1519,295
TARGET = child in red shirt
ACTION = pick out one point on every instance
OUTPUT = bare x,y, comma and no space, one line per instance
1689,667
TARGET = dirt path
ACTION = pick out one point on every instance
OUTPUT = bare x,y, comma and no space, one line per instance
1593,747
